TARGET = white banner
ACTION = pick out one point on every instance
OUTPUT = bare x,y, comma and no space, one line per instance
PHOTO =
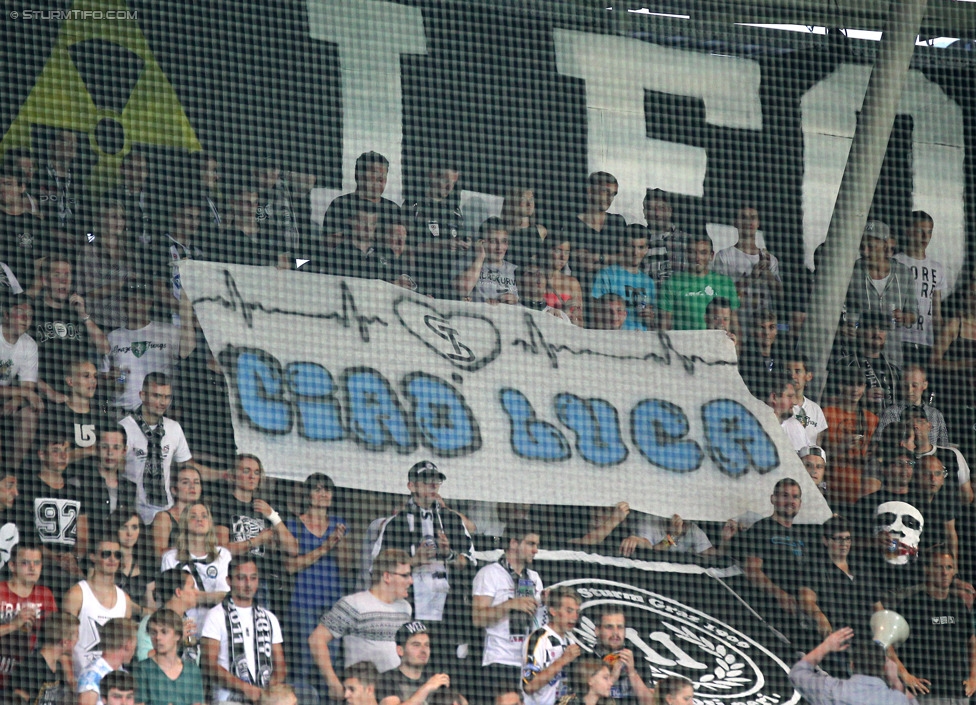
360,379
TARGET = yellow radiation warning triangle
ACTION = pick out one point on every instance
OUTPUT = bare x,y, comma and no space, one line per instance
152,115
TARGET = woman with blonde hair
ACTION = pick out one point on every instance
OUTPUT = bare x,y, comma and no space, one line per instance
198,554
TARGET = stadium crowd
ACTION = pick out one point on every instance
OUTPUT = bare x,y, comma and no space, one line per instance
144,560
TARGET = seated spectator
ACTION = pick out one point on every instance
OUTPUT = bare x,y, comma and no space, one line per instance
667,248
490,278
24,236
527,237
96,600
674,690
409,683
133,195
850,428
627,281
939,505
609,312
248,525
62,534
118,646
807,411
137,568
533,292
142,346
186,486
753,269
882,287
43,676
317,581
101,479
359,683
198,554
275,207
895,504
367,621
164,678
63,329
778,393
900,434
438,238
25,606
396,263
760,355
21,404
628,685
563,291
117,688
104,267
240,673
686,294
956,466
595,233
371,174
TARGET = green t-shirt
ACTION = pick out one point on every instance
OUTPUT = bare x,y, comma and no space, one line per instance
153,687
686,297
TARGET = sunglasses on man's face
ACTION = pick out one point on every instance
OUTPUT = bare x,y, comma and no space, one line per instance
117,555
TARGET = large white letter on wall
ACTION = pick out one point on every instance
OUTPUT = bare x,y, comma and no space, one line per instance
829,118
371,37
617,71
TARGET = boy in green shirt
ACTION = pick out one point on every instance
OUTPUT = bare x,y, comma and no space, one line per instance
687,294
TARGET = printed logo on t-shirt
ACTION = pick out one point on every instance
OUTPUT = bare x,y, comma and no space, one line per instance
139,349
56,520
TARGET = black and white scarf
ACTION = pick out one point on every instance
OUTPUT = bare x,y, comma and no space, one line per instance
152,475
262,645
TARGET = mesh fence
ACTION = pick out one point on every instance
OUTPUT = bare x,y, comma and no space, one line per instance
434,352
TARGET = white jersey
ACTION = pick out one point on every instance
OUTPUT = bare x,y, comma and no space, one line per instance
501,646
154,348
209,577
930,277
812,418
18,362
215,627
796,433
174,447
92,616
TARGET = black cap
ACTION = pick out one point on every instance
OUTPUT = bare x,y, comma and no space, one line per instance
425,471
408,630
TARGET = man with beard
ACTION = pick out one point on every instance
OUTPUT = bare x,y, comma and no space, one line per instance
611,634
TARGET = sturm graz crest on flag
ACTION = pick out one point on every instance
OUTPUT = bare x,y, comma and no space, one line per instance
670,638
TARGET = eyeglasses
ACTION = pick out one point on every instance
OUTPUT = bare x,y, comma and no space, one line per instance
904,463
403,575
117,555
841,539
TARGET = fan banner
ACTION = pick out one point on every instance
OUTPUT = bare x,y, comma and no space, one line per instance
682,620
360,379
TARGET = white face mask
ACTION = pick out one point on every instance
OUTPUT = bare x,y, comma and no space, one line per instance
904,523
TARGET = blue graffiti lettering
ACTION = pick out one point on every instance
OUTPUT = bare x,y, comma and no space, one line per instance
597,428
319,417
736,440
658,429
530,436
376,419
261,393
446,425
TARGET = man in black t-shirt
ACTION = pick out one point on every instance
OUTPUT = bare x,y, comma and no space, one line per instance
40,678
408,683
939,657
23,236
438,237
775,555
594,233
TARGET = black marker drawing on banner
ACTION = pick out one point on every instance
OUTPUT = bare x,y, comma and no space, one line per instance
537,343
347,315
466,340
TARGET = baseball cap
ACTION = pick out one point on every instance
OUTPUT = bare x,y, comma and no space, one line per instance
813,450
408,630
878,230
425,471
